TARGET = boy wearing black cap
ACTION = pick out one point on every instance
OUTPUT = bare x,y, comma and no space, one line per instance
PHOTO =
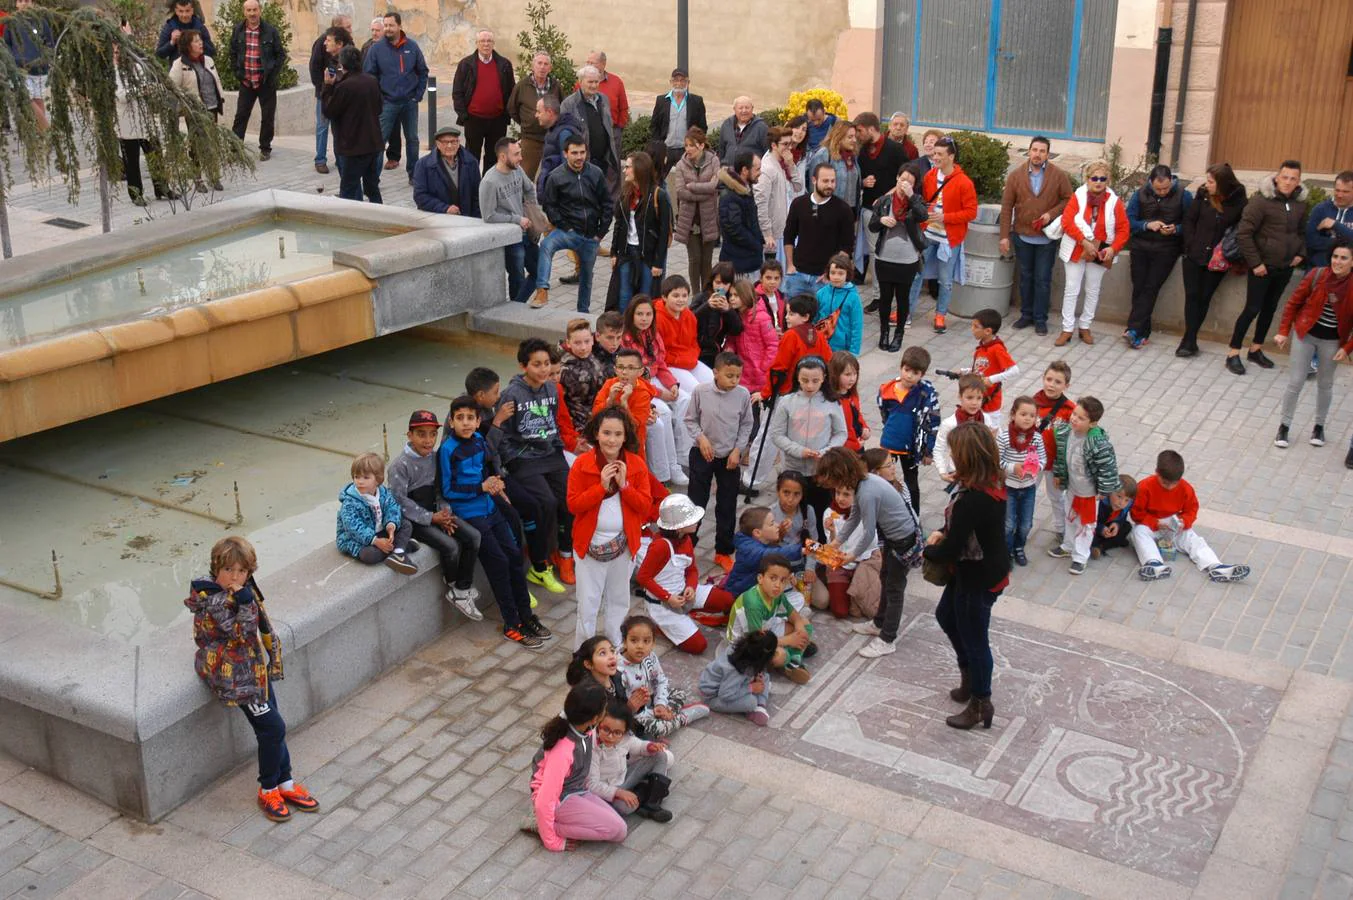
412,478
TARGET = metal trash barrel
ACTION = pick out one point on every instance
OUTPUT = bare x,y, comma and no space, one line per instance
987,277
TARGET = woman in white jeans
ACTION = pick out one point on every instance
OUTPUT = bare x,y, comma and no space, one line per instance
1094,231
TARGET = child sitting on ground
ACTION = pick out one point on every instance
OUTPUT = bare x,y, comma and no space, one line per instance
628,772
797,523
737,680
910,408
565,811
471,480
681,333
1022,461
667,708
769,295
238,657
596,660
1114,524
1167,508
843,374
972,394
412,478
370,525
607,339
992,362
719,423
641,334
583,374
764,606
669,577
1086,469
839,308
1053,406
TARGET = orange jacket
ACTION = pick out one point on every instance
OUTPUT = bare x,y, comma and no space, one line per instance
1154,503
794,347
585,496
960,201
639,406
680,336
567,433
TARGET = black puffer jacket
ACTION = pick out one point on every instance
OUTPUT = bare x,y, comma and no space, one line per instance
1273,228
1204,224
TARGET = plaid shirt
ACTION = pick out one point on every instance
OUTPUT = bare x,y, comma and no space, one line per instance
253,59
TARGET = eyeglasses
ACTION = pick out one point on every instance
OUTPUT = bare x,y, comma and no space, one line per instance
1098,178
620,368
610,732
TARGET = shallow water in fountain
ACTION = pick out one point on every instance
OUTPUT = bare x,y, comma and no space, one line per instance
233,262
286,436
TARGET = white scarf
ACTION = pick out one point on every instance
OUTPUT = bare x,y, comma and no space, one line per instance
1082,196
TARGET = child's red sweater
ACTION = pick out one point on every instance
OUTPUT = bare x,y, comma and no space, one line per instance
1045,405
795,344
850,407
656,559
991,359
567,433
680,335
1153,503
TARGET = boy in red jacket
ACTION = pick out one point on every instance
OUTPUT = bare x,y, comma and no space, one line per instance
680,333
1166,505
992,362
799,340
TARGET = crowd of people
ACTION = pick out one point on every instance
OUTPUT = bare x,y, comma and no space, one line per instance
593,468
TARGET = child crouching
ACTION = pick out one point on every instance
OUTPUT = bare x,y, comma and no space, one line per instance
629,772
736,680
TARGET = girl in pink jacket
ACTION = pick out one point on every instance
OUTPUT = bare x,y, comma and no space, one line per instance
565,811
758,341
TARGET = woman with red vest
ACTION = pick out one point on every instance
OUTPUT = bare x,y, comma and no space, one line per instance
1094,231
609,497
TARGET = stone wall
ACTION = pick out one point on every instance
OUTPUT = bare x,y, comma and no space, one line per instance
1209,30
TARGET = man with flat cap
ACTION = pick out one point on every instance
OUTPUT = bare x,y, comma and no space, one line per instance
674,112
447,179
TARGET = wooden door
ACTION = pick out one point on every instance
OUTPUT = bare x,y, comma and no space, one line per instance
1284,85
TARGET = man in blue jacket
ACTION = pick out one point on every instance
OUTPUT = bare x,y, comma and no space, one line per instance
398,64
1330,221
447,179
183,17
739,229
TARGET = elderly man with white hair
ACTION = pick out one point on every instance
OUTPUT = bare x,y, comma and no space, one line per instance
593,109
614,88
899,128
742,131
480,92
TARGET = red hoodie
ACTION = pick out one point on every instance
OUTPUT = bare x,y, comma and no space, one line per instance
797,342
680,336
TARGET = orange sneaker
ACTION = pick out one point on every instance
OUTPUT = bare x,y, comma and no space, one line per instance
564,566
273,806
709,619
939,325
892,318
300,798
723,561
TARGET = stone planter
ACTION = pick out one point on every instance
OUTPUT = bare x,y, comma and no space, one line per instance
295,111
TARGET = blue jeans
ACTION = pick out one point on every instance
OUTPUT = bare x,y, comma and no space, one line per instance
402,114
585,247
359,175
964,614
321,135
1019,515
799,283
521,255
944,273
636,277
274,760
1035,278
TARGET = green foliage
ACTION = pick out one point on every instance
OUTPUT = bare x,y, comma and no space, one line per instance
142,18
547,37
232,11
636,134
773,116
1125,178
1315,195
985,160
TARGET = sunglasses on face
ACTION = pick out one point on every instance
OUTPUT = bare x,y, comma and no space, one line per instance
1098,178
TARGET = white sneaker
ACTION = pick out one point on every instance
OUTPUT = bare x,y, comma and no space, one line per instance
867,627
465,605
1223,573
876,648
1154,571
471,592
678,478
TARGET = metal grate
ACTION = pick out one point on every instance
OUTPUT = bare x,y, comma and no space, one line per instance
60,222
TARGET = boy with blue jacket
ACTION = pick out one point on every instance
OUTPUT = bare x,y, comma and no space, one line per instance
471,480
371,527
910,407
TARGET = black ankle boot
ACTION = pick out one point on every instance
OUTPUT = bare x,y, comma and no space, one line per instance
979,709
962,693
895,345
883,337
651,808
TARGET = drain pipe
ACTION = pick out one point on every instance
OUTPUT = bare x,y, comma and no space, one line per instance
1164,37
1178,135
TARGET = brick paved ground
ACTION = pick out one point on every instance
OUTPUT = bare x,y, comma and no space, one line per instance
423,773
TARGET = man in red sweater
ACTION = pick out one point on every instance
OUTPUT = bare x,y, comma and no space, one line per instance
952,200
479,93
1166,505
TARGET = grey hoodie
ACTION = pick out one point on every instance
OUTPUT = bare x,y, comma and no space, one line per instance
802,422
413,481
533,430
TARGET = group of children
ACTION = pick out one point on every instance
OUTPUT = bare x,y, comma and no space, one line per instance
562,477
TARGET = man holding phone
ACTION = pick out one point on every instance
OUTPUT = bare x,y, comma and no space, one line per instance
1155,213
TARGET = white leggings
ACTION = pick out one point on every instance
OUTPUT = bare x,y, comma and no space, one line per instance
602,587
677,409
1092,274
660,446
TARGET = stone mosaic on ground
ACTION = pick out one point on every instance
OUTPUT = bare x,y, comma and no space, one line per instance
1101,750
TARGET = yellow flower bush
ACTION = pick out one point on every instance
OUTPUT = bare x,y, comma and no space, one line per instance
833,102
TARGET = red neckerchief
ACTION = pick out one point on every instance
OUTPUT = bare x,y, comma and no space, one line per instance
873,150
962,416
848,157
787,166
1020,438
900,204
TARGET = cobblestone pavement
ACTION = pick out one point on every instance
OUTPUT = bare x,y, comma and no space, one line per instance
423,773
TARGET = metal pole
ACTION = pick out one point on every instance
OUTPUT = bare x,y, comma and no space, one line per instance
432,109
1156,116
683,60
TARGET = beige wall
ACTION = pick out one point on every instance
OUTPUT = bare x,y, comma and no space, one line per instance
1209,29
